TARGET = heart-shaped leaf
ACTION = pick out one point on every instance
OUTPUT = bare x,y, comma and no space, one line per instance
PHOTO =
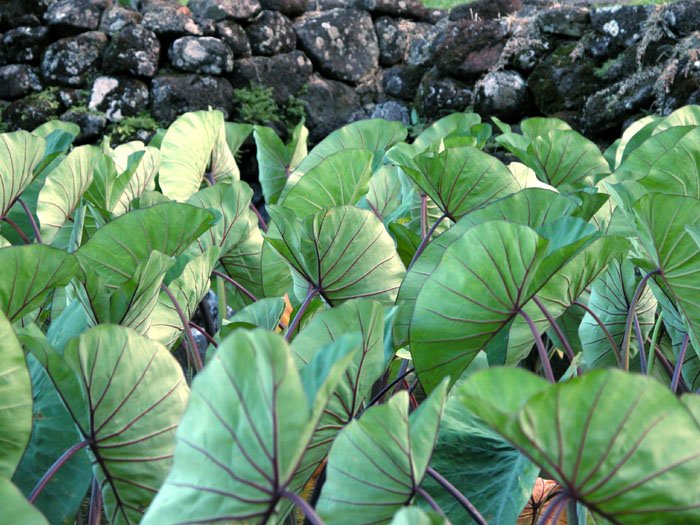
619,443
417,516
440,129
20,154
263,313
13,501
277,160
140,165
250,419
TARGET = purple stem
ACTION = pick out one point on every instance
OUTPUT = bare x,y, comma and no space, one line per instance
557,505
304,506
49,474
35,227
544,357
236,284
313,292
613,344
423,215
204,333
429,499
384,390
640,341
457,495
426,239
17,229
192,346
263,224
679,364
95,504
631,315
553,323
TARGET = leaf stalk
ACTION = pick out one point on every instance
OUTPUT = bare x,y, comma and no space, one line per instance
192,346
458,496
53,469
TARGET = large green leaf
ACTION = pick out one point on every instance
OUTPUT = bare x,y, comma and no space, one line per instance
250,418
29,274
263,313
417,516
277,160
619,443
343,252
388,194
377,462
20,154
15,400
141,163
685,116
339,179
63,189
119,246
441,129
18,508
483,280
126,395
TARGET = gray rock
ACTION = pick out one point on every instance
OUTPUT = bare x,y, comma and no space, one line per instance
393,111
117,18
395,38
71,60
286,74
396,8
24,44
174,94
14,13
502,94
329,105
32,111
92,124
438,96
118,97
221,9
271,33
402,81
207,55
421,47
327,5
235,37
485,9
18,80
683,18
76,15
341,43
170,20
134,50
567,21
291,8
623,25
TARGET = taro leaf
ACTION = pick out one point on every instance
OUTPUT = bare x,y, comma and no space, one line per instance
621,444
388,194
189,288
634,136
343,252
233,201
417,516
52,126
141,165
20,154
18,509
461,179
108,184
119,246
567,160
236,135
407,242
339,179
495,477
377,462
63,189
481,283
611,297
15,400
250,418
441,129
29,273
193,142
276,161
375,135
686,116
662,222
126,394
264,313
562,290
531,128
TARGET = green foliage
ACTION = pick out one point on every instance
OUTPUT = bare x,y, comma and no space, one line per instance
129,127
256,104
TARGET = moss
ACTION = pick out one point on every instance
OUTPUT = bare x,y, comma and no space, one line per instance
130,127
82,109
256,105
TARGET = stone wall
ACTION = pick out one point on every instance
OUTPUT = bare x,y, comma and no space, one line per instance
96,63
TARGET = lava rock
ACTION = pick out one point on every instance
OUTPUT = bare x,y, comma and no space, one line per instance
567,21
291,8
72,60
174,94
286,74
421,48
402,81
469,48
76,15
14,13
271,33
32,111
683,18
341,43
167,19
395,37
396,8
134,50
622,24
18,80
502,94
119,97
393,111
24,44
92,124
205,54
329,105
327,5
235,37
117,18
221,9
438,96
485,9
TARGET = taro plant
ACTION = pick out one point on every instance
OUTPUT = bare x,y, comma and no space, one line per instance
411,331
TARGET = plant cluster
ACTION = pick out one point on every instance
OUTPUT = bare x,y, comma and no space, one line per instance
256,105
460,328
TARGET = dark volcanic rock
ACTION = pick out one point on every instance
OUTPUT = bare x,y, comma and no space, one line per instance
174,94
76,15
683,17
14,13
221,9
485,9
134,50
567,21
438,96
341,43
291,8
235,37
271,33
32,111
622,25
92,124
393,111
171,20
395,37
71,60
24,44
502,94
286,74
119,97
402,81
117,18
205,54
408,8
329,105
470,48
18,80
